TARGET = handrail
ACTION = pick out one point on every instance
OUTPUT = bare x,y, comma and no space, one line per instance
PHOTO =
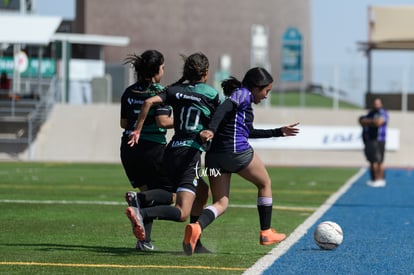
34,117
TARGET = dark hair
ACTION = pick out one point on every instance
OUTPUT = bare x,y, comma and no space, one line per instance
147,65
254,78
257,77
195,67
230,85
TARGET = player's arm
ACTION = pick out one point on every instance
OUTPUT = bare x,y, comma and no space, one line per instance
288,130
219,114
134,136
164,121
164,118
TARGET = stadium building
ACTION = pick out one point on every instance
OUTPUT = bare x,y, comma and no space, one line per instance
234,34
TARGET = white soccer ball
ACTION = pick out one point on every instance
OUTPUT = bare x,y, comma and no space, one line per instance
328,235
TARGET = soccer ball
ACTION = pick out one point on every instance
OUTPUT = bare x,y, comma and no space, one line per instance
328,235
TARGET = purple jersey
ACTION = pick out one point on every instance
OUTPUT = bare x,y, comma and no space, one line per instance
376,133
234,129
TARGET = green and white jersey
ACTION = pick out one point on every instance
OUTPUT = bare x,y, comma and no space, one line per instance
131,102
193,107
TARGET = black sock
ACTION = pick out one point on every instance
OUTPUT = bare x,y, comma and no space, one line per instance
194,219
148,229
161,212
154,197
206,217
265,216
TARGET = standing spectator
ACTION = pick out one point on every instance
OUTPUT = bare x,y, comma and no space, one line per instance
230,152
374,130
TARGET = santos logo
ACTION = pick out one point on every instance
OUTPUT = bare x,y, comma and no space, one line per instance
134,101
188,97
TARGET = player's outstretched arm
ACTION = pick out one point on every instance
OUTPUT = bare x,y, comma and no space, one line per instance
290,130
134,136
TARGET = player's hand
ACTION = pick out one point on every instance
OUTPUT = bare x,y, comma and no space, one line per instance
206,135
290,130
133,138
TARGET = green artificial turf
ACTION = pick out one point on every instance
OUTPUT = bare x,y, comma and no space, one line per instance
68,218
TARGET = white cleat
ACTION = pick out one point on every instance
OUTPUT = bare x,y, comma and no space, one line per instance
376,183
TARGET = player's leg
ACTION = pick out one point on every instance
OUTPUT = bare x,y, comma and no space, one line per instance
220,188
181,163
129,163
202,195
256,173
147,199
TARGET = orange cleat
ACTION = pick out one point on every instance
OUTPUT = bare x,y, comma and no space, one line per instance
192,234
270,236
137,222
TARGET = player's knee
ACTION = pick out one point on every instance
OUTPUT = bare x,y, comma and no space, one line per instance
183,217
262,185
222,204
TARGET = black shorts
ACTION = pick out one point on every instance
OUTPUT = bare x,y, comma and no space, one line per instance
228,162
143,164
181,165
374,151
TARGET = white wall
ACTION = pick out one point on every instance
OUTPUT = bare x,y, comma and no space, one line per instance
92,133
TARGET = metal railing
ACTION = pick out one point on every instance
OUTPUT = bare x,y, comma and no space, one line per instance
22,116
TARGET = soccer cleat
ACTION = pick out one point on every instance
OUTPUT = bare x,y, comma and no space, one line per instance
132,199
144,246
200,248
192,234
270,236
137,222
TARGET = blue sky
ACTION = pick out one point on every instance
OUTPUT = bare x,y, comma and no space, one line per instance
337,26
64,8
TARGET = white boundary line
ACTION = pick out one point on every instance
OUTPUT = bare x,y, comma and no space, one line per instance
265,262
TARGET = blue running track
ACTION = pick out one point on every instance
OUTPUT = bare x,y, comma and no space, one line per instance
378,227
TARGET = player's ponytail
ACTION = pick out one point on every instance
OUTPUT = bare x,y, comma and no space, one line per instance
230,85
146,66
195,67
179,81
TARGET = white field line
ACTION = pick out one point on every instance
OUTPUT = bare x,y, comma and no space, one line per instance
288,208
265,262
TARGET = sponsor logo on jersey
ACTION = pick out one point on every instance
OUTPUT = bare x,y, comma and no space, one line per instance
187,97
181,143
135,101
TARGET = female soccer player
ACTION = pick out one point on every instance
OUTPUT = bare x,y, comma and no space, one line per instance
143,162
230,152
193,103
